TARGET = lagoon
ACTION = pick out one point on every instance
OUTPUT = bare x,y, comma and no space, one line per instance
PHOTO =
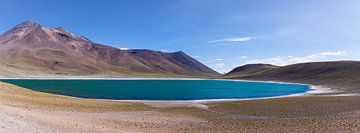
159,89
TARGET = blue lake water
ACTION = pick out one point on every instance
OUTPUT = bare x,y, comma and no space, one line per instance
160,89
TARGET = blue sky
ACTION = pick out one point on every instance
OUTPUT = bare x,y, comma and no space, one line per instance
221,34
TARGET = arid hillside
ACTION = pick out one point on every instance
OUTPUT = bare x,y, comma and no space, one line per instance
30,49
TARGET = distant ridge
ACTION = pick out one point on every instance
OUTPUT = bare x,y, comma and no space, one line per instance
31,49
250,69
340,75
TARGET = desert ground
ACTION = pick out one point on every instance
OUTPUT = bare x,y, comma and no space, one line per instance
23,110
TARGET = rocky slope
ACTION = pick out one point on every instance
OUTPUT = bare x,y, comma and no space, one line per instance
31,49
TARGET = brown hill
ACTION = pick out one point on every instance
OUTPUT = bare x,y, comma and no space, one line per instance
340,75
250,69
31,49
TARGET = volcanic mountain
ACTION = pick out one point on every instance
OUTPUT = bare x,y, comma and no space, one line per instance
30,49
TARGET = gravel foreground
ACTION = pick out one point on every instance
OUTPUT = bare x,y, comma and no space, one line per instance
23,110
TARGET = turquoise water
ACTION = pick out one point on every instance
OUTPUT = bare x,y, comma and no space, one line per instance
160,89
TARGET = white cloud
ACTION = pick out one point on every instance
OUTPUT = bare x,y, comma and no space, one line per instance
196,57
287,60
332,53
235,39
124,48
243,57
217,60
219,65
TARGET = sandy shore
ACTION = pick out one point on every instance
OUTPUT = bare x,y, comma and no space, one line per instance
28,111
23,110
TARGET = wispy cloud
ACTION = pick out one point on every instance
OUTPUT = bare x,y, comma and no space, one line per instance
216,60
243,57
234,39
287,60
124,48
332,53
164,50
196,56
219,65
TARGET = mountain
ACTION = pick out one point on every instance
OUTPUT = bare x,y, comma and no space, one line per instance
341,75
250,69
31,49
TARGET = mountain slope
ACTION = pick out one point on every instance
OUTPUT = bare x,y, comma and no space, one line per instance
340,75
30,49
250,69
